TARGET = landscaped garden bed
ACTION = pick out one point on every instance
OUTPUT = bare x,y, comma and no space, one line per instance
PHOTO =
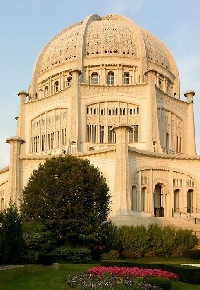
125,278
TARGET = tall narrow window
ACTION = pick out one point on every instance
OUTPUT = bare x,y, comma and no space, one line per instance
122,111
178,144
111,135
101,134
190,201
56,87
130,136
134,198
46,91
110,78
135,133
143,199
58,138
94,133
176,200
88,133
167,142
126,78
43,143
94,78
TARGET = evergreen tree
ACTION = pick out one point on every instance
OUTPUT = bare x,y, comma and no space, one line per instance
11,236
70,197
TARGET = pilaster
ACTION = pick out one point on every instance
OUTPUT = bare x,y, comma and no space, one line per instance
14,188
122,185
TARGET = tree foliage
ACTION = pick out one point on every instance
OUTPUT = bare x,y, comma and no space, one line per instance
69,196
11,236
38,240
154,241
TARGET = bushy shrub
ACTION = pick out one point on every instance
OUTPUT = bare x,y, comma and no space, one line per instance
184,240
160,240
112,255
73,255
137,241
128,254
109,236
134,239
38,240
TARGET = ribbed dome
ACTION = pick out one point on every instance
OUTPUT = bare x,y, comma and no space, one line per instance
100,40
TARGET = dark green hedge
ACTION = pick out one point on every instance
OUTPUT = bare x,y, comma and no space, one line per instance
66,254
192,254
187,274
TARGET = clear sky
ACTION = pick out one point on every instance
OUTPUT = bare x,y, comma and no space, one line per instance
27,25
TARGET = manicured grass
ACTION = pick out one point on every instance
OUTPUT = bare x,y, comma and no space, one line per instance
37,277
165,260
184,286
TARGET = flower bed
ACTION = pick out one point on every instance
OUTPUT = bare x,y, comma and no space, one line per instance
125,278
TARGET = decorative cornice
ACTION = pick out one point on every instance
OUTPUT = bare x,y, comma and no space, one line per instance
164,156
5,169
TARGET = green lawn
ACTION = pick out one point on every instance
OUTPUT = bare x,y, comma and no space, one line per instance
39,277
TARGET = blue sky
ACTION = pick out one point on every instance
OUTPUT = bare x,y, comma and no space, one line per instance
27,25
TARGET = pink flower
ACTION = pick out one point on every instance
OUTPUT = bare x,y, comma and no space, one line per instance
131,271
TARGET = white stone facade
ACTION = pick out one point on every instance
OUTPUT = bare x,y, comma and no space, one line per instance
107,90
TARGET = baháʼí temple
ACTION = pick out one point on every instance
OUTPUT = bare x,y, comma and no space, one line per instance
107,90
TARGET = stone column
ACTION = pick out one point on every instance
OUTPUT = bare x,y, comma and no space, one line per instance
122,184
21,117
191,149
20,122
14,187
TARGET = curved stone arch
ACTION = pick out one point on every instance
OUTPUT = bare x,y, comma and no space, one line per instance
163,182
166,168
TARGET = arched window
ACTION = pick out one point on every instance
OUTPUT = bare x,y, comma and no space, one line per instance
110,78
69,79
176,200
126,78
56,86
143,198
190,201
94,78
134,198
111,135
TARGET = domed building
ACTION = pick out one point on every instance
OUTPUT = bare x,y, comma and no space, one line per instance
107,90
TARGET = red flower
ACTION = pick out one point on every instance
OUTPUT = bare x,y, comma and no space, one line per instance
132,271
